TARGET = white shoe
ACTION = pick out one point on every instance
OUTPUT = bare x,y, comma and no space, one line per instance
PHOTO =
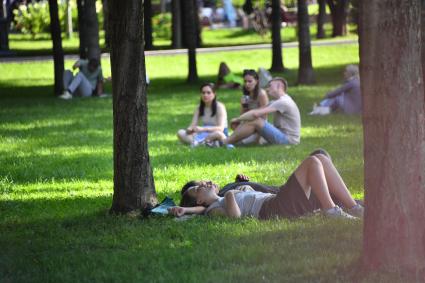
66,95
337,212
320,110
356,211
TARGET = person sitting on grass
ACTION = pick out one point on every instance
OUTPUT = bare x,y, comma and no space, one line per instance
286,121
308,188
213,115
87,82
253,97
346,98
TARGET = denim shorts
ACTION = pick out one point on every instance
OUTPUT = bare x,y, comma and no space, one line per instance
273,135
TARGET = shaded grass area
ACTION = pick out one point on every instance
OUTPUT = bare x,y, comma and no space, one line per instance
56,184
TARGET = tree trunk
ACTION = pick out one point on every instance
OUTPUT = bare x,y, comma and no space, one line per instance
176,24
305,70
133,179
277,60
190,24
321,18
81,29
148,24
394,136
89,29
190,15
106,22
69,30
339,12
58,60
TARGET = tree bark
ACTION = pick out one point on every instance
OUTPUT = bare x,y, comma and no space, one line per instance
190,15
69,29
176,24
277,60
58,60
106,22
394,136
339,12
148,24
305,70
89,29
321,18
133,178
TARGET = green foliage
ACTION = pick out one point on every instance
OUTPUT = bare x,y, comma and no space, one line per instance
161,24
33,18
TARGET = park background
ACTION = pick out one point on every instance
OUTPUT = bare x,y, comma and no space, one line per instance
56,172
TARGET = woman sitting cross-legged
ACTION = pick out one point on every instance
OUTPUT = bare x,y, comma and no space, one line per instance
212,114
309,188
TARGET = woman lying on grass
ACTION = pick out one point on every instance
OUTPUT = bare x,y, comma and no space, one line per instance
309,188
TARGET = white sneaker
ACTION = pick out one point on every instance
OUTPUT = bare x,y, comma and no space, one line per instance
66,95
320,110
356,211
337,212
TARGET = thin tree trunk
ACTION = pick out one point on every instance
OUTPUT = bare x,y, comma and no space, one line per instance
81,29
176,24
190,14
148,24
106,22
339,12
305,70
133,178
58,59
277,60
89,29
69,30
321,18
394,136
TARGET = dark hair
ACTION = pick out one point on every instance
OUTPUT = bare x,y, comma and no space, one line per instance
187,200
94,63
202,103
252,73
282,80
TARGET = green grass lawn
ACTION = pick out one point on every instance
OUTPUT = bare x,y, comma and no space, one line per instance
25,45
56,184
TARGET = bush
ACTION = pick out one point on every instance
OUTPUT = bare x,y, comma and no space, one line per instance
162,26
33,18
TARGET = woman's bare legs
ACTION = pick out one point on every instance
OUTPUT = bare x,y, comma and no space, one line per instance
184,137
215,136
311,176
335,183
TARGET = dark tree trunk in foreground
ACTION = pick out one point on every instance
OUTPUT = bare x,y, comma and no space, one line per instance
58,60
88,28
339,12
190,15
147,9
133,178
305,69
277,60
394,136
176,40
321,18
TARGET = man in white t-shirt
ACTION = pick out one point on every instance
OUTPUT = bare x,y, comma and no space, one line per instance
286,118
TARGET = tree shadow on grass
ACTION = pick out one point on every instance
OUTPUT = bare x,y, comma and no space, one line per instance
65,239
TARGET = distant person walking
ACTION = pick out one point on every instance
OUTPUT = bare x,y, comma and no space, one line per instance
87,82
